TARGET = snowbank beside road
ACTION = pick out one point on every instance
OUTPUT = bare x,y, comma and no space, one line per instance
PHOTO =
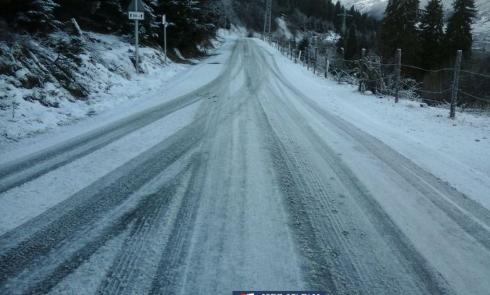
456,151
107,72
116,92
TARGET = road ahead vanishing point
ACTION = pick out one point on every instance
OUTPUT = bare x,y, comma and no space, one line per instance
262,189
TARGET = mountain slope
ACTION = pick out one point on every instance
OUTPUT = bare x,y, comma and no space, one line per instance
481,26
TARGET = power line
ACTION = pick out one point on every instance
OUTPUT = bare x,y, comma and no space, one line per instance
433,71
473,96
473,73
433,92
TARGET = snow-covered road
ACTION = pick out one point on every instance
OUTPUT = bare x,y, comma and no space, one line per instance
243,183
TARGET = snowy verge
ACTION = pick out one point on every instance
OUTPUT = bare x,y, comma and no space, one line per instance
455,151
106,72
125,97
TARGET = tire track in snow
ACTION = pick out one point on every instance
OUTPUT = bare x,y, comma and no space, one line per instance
31,167
218,237
473,218
27,168
27,244
132,219
27,255
250,155
135,267
170,264
412,260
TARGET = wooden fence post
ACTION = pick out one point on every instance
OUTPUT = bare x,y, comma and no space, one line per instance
307,58
361,81
316,60
454,96
342,53
398,70
327,65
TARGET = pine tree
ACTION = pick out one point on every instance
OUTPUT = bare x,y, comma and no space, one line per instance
328,10
109,15
352,19
192,21
337,20
304,44
399,30
36,15
432,35
352,47
458,34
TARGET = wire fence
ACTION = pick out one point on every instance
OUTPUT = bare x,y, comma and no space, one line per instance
370,74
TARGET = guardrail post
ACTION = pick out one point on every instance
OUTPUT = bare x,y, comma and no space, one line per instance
454,96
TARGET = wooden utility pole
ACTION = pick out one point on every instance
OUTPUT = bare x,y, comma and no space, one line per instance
344,16
454,96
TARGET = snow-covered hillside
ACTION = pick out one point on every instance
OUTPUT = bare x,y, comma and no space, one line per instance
481,26
106,73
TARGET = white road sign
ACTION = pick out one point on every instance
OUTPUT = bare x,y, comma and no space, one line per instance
136,15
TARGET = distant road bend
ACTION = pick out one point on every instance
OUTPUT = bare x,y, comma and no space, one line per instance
254,194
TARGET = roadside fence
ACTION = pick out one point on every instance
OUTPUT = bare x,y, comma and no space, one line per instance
370,74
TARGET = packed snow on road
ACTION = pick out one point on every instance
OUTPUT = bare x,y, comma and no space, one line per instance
249,172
